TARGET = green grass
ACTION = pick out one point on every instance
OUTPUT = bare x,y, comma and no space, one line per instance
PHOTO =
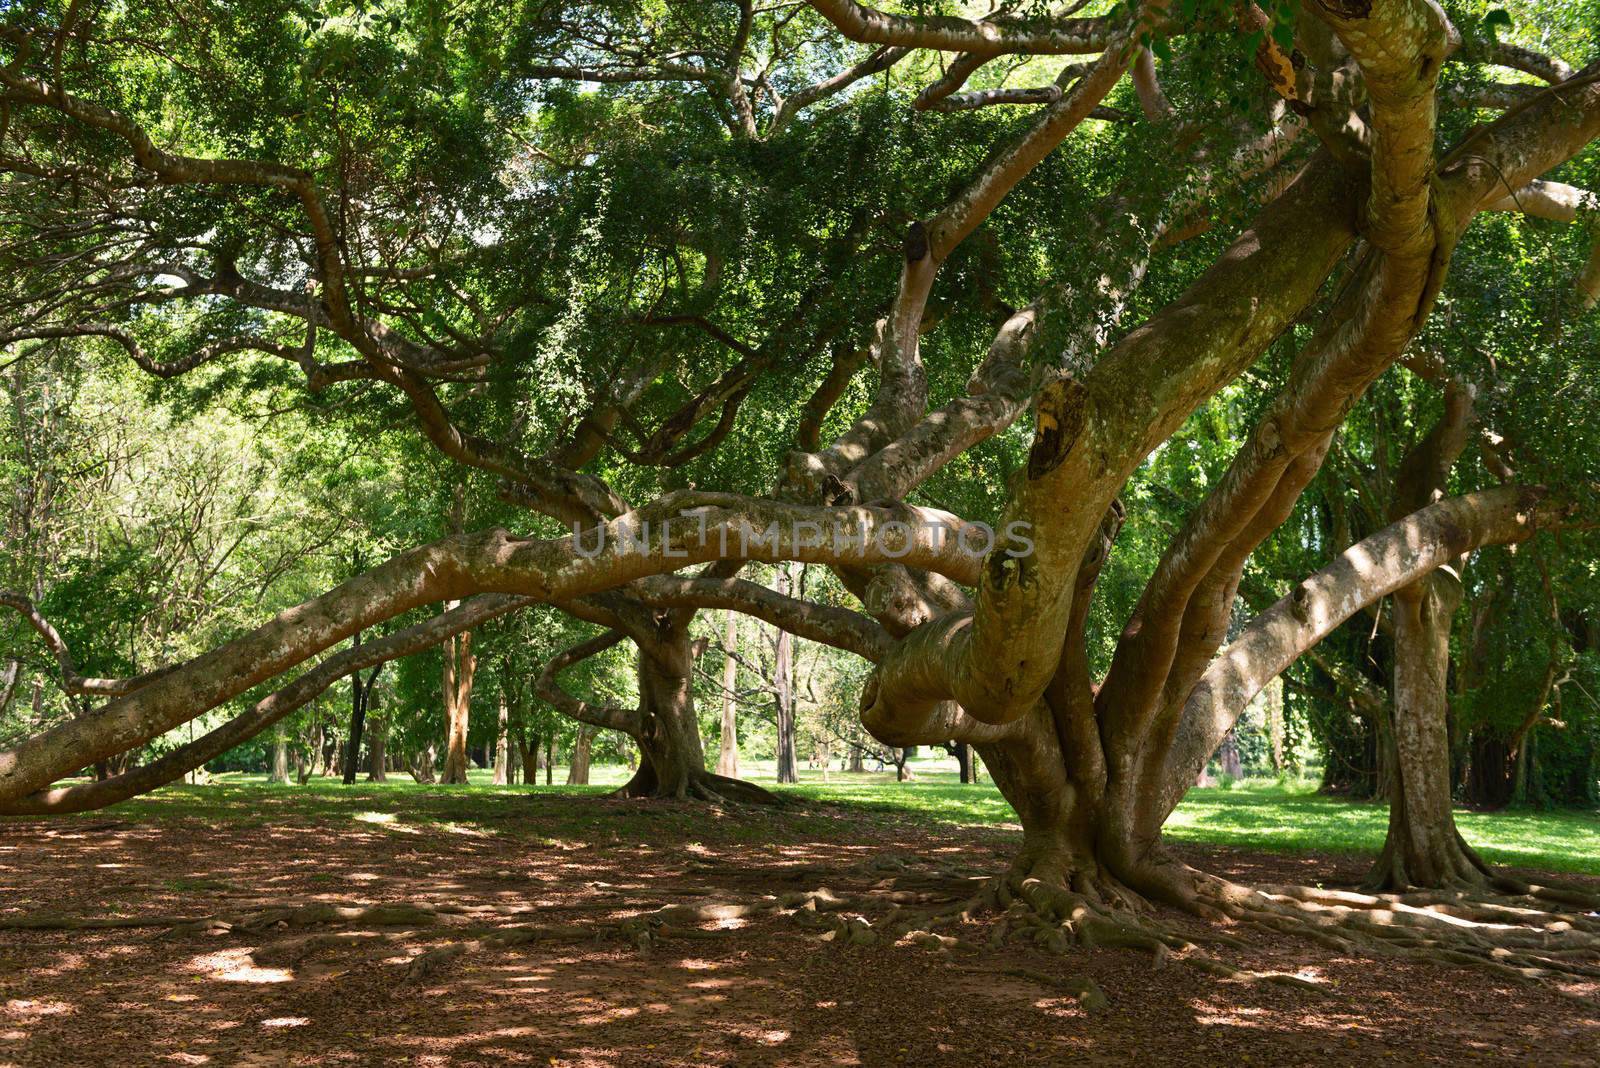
1253,815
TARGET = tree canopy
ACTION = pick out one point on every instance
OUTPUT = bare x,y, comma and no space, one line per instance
1102,363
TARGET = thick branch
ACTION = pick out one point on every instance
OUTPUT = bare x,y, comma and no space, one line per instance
179,762
1396,556
952,34
72,683
613,717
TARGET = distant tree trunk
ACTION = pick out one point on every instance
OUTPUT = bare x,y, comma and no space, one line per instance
1490,781
280,758
728,757
1273,696
672,759
1423,847
529,755
1228,757
902,773
578,770
358,697
358,722
330,753
964,761
550,759
502,745
783,687
855,750
422,770
377,755
1524,770
459,668
1498,767
8,683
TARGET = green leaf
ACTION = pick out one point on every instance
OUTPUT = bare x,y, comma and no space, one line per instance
1496,17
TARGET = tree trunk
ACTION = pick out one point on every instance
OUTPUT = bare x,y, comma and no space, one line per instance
728,757
578,769
1062,812
671,756
1273,696
502,745
1228,757
528,755
422,770
459,668
1423,848
330,754
8,683
783,688
280,758
377,752
1489,770
964,761
358,720
550,759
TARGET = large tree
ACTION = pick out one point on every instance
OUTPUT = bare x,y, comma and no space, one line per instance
695,285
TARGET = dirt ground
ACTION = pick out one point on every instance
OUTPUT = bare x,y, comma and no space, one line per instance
768,992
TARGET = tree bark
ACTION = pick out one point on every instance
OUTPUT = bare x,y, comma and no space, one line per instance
358,718
783,688
1423,848
528,756
671,755
1274,718
377,752
328,764
578,769
728,757
502,745
422,770
280,758
1228,757
460,666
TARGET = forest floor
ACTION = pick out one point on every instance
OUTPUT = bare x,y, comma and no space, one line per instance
248,988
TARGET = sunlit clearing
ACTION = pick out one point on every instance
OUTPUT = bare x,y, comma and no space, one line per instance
375,817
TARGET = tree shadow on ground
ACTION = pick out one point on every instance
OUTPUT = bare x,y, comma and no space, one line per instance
768,992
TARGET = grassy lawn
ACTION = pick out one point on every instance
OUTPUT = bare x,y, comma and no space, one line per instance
1254,814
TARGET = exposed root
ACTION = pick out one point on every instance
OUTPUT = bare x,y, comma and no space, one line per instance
50,921
1521,936
284,917
398,915
1085,991
292,952
695,785
431,962
1219,968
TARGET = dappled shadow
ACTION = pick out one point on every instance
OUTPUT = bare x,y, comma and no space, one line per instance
768,993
